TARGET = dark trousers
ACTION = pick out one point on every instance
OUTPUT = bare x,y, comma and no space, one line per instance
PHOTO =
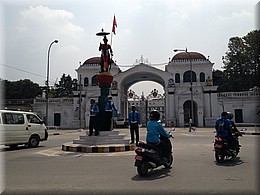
92,125
108,118
165,149
134,129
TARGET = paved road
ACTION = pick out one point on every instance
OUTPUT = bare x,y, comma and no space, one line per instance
49,170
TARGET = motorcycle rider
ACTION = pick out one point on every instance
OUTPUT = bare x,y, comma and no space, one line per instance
223,127
234,142
154,131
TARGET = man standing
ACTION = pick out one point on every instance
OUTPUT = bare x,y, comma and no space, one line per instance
134,122
109,109
94,110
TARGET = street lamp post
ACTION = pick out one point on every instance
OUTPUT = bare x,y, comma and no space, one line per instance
191,91
47,81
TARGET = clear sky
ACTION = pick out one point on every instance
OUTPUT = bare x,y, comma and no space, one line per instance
148,28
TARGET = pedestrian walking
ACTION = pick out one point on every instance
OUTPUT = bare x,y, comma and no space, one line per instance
94,110
134,122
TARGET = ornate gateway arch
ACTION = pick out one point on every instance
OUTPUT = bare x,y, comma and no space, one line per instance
175,81
141,72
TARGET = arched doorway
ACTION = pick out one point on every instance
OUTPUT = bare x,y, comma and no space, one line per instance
187,113
138,73
147,96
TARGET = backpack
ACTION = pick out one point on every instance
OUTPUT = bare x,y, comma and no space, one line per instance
222,127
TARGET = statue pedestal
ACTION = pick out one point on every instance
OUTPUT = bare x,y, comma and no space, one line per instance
105,138
104,80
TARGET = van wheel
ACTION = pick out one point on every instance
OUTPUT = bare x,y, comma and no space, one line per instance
34,142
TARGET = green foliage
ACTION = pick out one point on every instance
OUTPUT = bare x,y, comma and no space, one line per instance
241,64
22,89
65,87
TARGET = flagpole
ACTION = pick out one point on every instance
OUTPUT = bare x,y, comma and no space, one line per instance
111,38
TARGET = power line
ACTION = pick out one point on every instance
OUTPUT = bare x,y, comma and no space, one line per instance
35,74
22,70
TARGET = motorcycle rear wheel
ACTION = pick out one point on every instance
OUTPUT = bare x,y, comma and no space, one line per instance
219,157
142,169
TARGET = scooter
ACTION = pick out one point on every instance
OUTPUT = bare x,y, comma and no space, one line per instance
222,148
148,156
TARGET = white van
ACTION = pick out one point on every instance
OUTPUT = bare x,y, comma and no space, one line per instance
18,127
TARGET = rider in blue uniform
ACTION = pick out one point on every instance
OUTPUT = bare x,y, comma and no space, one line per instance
154,131
223,127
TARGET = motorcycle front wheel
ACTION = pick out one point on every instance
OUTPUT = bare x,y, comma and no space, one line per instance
169,162
219,157
142,169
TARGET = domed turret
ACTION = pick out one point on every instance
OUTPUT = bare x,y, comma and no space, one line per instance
183,56
93,60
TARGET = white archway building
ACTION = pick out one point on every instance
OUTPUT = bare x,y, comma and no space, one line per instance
175,81
207,103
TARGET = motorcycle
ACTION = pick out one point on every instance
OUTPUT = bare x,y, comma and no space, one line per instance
223,150
148,156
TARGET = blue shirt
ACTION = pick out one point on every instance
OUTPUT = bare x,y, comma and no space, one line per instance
154,129
135,118
228,124
94,109
110,106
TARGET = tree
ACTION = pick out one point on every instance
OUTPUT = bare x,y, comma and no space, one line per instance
22,89
241,63
65,87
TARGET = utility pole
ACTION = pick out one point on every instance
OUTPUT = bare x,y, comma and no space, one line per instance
79,101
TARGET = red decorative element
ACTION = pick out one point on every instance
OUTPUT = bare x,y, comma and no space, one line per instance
114,25
104,78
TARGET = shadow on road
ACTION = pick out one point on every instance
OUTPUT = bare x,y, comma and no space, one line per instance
231,162
18,148
154,174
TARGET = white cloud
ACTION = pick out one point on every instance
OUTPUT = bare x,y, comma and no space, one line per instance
46,22
36,28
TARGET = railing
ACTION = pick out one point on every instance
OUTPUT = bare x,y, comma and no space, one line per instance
18,101
239,94
55,100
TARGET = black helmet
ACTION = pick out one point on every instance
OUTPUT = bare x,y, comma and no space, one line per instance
230,115
154,115
224,114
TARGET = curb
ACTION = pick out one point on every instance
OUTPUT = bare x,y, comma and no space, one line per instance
247,133
98,148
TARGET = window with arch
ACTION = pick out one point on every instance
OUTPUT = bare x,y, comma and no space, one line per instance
186,76
85,81
94,80
177,78
202,77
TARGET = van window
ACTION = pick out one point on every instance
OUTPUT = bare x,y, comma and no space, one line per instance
33,119
12,118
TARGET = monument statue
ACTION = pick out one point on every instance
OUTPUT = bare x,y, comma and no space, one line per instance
104,80
106,52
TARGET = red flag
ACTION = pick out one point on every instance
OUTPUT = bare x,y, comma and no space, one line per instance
114,25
